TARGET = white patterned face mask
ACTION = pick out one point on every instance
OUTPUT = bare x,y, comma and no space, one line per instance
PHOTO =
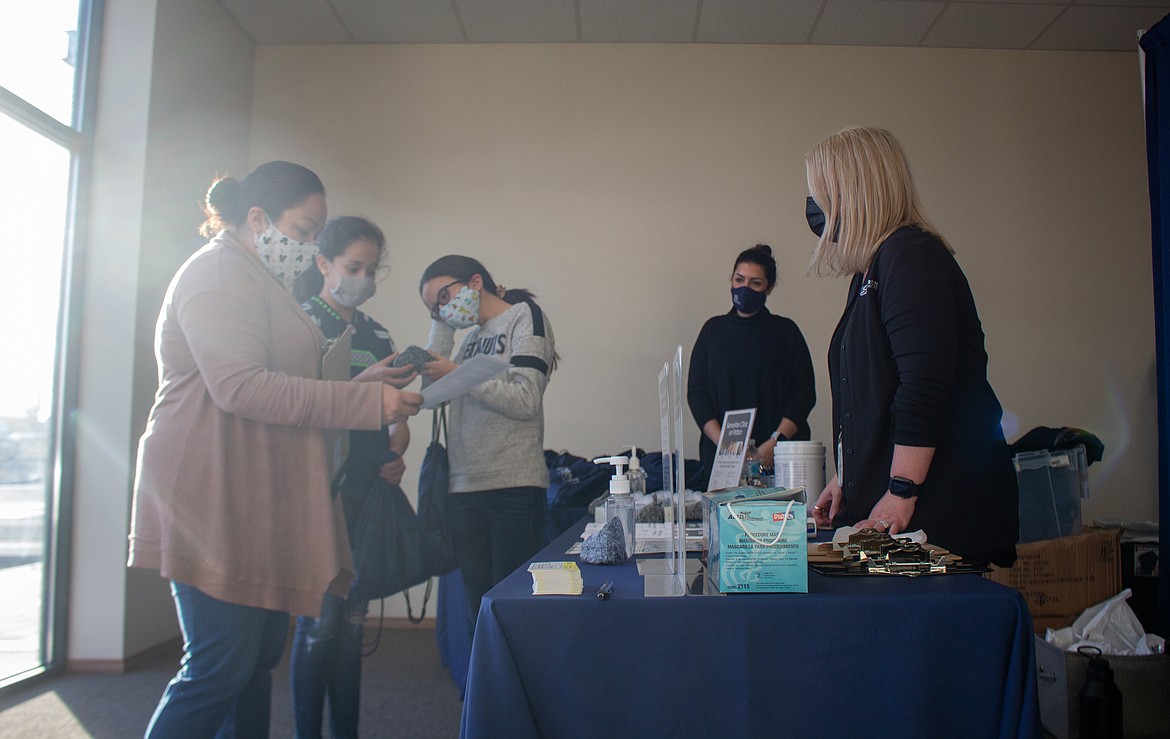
461,311
283,256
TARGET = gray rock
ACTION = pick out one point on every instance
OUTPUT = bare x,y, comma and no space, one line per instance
607,545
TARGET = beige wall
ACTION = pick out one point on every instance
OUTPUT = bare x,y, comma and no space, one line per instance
619,181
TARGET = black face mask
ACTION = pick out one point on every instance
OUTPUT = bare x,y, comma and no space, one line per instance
815,216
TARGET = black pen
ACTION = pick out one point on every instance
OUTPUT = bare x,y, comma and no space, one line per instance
605,590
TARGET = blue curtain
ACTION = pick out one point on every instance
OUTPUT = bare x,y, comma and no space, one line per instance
1156,44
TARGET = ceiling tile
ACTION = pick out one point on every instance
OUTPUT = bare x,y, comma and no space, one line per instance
288,22
990,25
1105,29
518,21
399,21
643,21
757,21
875,23
1022,2
1129,3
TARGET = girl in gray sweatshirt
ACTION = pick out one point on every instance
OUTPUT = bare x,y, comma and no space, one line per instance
496,431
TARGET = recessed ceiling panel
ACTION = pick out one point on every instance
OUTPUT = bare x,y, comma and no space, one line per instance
288,21
756,21
642,21
518,21
1107,29
1128,3
875,22
990,25
400,21
1023,2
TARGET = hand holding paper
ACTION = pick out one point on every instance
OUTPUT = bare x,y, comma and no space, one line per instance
464,378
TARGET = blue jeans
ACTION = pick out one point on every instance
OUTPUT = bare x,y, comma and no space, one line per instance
495,531
224,686
327,660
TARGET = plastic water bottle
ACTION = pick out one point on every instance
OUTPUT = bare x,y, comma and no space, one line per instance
751,466
636,474
1100,700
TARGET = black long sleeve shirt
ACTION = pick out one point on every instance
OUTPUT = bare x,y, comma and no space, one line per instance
908,366
760,362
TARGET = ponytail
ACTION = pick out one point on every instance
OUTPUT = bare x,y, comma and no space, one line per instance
463,268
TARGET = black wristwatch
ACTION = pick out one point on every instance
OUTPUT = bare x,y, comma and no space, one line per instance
904,487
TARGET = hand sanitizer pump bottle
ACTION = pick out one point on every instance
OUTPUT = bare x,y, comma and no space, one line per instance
620,503
637,474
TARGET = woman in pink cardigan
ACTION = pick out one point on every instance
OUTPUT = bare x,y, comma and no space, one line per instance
232,495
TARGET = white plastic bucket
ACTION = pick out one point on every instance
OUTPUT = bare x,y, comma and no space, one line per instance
801,464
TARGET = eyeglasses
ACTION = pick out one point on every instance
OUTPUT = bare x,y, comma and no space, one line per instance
443,297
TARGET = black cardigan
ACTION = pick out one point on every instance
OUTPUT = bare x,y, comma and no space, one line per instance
908,366
760,362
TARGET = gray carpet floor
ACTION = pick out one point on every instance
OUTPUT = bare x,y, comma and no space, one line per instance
406,692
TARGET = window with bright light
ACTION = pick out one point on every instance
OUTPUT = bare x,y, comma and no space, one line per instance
38,53
39,146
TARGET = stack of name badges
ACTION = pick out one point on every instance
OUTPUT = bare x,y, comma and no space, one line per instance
756,540
556,578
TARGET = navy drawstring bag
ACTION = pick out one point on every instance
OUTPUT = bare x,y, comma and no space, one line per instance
393,547
387,542
434,486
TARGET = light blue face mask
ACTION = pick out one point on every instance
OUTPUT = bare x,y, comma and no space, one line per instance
284,257
353,290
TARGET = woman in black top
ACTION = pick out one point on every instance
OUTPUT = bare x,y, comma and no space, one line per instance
751,358
326,656
919,442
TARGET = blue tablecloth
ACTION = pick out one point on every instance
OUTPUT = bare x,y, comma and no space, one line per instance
938,656
453,628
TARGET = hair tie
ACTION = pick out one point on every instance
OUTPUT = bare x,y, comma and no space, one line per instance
501,291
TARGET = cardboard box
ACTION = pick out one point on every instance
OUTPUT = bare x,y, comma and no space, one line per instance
1060,578
1144,683
756,540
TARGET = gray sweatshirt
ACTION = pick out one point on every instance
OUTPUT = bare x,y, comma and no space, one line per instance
496,431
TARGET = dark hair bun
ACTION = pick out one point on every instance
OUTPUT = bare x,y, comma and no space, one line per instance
764,248
223,196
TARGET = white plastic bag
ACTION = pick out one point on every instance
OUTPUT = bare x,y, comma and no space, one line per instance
1110,626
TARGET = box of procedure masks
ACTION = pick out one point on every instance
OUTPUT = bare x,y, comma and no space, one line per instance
756,540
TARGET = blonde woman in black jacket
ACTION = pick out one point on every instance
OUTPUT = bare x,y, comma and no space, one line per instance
917,425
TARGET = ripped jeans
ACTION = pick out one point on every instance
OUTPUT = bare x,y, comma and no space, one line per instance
327,660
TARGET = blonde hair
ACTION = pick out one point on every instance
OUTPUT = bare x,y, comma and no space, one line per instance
860,178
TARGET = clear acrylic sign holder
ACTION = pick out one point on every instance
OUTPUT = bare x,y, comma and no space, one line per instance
668,576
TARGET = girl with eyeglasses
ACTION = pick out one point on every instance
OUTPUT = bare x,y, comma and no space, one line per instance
496,437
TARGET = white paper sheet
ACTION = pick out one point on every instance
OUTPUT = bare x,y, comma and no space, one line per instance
467,376
733,438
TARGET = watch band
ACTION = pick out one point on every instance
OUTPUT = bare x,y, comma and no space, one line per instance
904,487
777,436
